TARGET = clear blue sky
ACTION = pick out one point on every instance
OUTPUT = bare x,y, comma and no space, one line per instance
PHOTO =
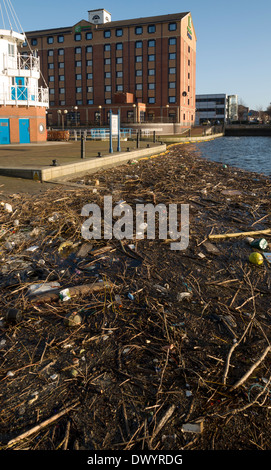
234,37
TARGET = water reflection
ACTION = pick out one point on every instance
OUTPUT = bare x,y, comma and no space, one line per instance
248,153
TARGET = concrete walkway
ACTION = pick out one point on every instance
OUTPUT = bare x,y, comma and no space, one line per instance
35,162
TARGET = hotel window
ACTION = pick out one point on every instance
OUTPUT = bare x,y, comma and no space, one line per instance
89,89
151,100
138,44
78,50
107,61
89,63
89,49
151,86
107,88
77,37
172,70
61,78
172,99
78,76
172,56
52,91
78,63
119,74
50,66
172,85
79,102
51,78
89,76
138,30
107,33
188,75
90,101
138,58
151,58
50,53
139,73
107,75
89,36
62,103
61,65
52,103
60,38
61,91
151,43
139,86
34,42
108,101
151,72
60,51
119,60
188,48
119,32
119,88
50,40
151,28
78,89
172,41
172,26
107,47
119,46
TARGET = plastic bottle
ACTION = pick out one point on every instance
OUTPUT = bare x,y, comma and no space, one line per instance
260,243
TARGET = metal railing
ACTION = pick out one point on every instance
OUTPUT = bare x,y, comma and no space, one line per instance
24,95
98,133
22,62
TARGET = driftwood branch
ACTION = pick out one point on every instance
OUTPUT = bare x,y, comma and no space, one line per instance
163,421
53,295
42,425
239,234
251,370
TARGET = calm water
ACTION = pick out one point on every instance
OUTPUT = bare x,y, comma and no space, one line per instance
248,153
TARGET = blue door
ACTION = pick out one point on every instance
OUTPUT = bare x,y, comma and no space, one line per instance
4,131
24,131
19,90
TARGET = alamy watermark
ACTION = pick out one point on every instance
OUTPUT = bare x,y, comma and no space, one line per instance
122,222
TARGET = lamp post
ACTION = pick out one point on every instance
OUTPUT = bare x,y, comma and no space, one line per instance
135,116
100,114
167,106
62,114
75,109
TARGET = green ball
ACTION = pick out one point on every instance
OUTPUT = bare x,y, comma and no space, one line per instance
256,258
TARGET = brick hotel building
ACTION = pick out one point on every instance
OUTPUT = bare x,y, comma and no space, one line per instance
144,67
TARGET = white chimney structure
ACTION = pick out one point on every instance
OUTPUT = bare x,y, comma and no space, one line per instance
99,16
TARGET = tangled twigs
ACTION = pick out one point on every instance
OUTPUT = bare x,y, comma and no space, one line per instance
251,370
41,426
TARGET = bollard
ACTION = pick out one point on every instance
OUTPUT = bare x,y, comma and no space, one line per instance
83,147
137,140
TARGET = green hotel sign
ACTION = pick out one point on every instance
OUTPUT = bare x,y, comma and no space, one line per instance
79,29
189,28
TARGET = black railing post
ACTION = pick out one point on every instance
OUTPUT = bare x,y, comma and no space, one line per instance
83,147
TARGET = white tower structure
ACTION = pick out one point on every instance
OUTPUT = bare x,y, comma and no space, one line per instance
23,102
